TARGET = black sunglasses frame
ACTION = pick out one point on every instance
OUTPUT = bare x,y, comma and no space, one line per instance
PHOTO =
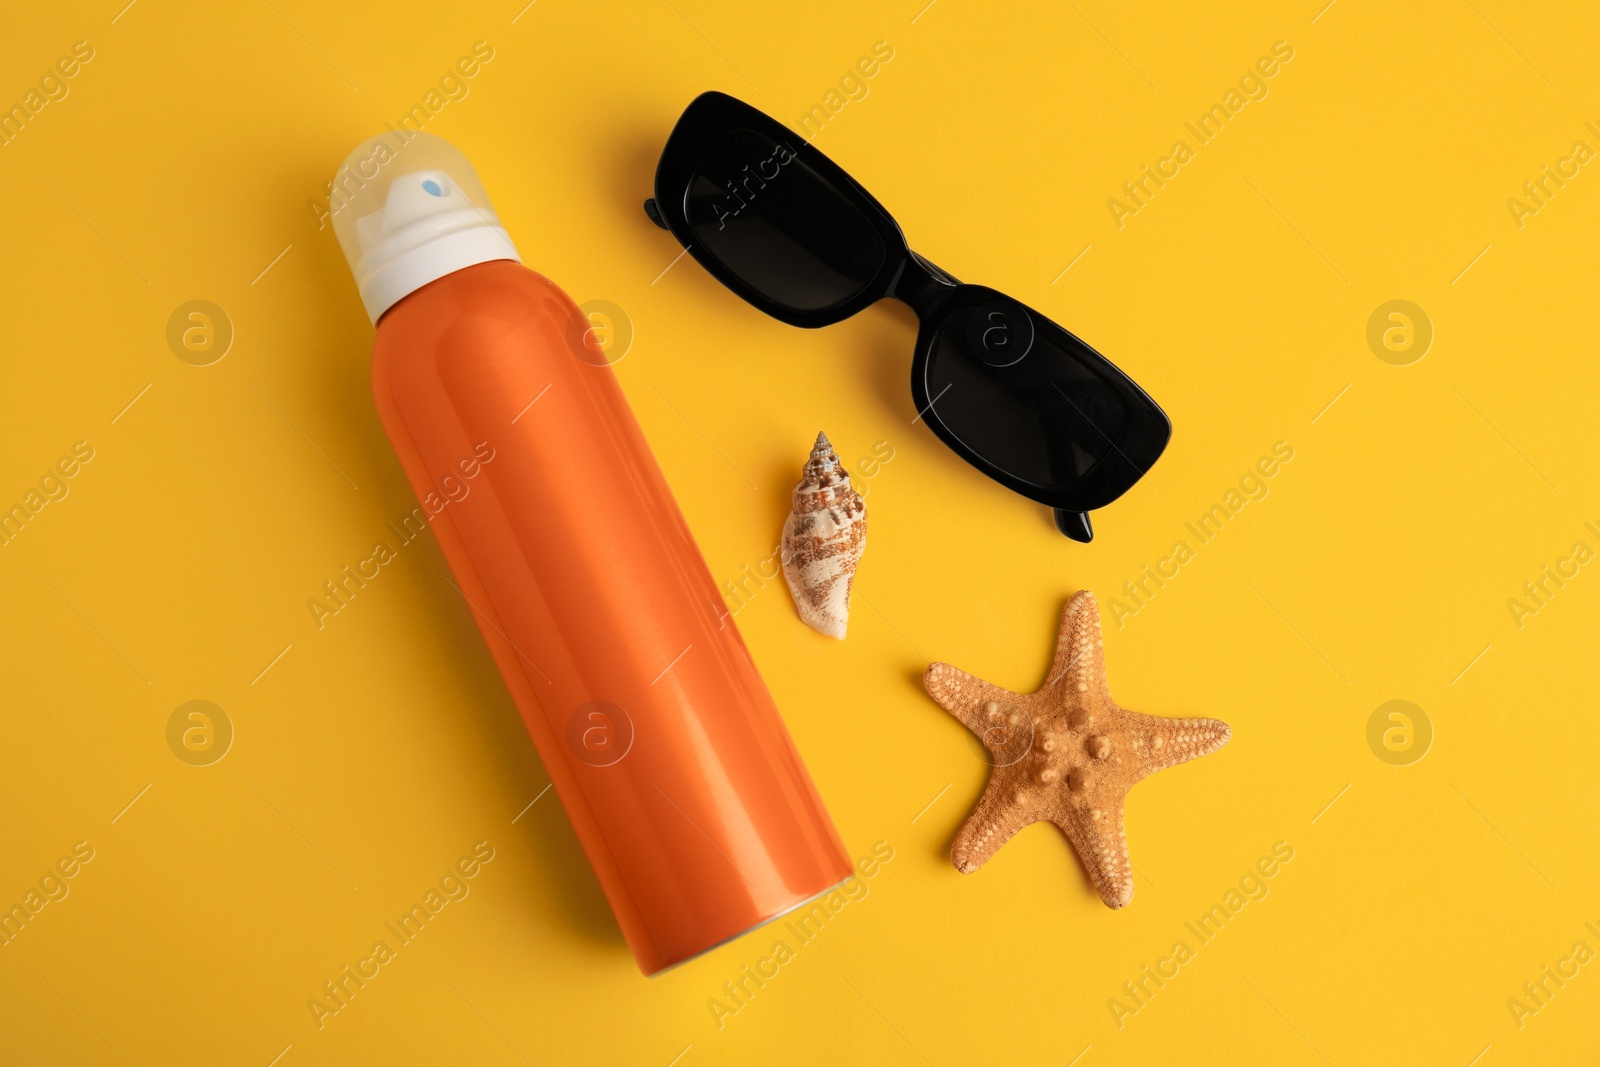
933,294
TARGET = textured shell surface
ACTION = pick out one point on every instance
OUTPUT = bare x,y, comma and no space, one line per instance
823,539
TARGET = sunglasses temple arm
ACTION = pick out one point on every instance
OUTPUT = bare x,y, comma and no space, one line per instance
1075,524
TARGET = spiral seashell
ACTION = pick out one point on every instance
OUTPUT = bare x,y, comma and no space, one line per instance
822,541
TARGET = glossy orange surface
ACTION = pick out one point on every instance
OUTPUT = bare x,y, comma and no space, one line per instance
657,731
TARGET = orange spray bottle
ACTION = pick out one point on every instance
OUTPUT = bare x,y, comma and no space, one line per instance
659,735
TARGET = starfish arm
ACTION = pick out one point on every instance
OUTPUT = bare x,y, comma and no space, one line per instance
995,821
1169,742
1080,662
963,695
1099,838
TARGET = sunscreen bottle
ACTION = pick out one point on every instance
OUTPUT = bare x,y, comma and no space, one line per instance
660,737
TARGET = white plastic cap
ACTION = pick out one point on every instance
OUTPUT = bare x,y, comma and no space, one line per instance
407,212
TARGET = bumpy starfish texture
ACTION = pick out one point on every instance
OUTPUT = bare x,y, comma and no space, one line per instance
1065,754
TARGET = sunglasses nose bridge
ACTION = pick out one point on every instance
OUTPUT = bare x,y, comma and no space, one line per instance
921,285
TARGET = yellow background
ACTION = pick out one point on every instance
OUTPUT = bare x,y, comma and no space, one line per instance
377,751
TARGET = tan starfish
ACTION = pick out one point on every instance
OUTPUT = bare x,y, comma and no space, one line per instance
1067,754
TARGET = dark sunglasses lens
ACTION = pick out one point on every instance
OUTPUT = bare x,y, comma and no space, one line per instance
779,225
1020,392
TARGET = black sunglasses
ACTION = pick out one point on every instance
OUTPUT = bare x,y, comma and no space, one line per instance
1013,394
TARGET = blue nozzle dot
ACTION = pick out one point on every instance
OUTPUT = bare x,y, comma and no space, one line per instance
432,187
